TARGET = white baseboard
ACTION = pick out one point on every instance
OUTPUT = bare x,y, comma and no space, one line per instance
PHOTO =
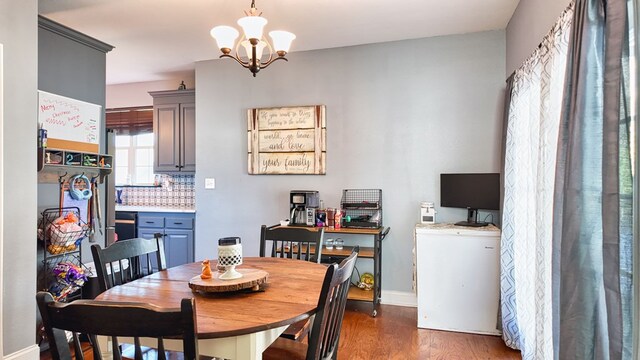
29,353
399,298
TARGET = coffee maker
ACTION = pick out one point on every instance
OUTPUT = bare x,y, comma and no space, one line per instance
302,206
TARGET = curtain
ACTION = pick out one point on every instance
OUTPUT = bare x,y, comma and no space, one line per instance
636,188
593,215
535,98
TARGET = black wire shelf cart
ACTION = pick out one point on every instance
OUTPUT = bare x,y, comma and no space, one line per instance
363,217
63,274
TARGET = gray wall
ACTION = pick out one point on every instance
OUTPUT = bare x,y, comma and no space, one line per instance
531,21
18,33
398,115
69,68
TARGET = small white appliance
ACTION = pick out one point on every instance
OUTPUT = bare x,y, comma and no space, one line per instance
427,213
458,278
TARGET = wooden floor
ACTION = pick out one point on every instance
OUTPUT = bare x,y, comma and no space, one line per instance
393,334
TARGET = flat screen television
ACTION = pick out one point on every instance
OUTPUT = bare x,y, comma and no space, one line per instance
470,191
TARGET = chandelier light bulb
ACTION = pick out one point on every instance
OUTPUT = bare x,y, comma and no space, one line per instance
252,26
248,48
225,37
281,41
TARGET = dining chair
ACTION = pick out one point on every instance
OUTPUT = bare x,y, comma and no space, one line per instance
93,318
325,334
128,260
293,243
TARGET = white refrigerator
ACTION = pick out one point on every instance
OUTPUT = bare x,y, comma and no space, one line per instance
458,278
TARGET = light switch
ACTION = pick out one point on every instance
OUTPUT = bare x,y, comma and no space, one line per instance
209,183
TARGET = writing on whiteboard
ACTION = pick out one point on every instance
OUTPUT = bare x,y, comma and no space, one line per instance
69,119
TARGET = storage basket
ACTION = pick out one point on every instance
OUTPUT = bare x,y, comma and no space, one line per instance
62,230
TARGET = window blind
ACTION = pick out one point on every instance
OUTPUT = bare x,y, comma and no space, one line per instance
130,121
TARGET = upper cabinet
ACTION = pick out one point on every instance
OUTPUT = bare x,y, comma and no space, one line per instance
174,127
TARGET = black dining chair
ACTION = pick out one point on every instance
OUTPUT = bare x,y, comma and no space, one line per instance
128,260
294,243
325,334
291,242
93,318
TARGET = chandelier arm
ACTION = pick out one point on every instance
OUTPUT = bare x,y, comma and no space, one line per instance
273,60
237,59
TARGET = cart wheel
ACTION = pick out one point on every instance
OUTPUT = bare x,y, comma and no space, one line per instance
374,313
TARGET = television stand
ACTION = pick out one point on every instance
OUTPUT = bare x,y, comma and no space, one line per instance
472,219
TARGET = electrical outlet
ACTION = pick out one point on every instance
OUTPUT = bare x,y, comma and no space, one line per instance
209,183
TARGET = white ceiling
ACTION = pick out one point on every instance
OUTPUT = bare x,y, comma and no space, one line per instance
161,39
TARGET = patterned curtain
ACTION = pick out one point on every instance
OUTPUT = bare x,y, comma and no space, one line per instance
531,139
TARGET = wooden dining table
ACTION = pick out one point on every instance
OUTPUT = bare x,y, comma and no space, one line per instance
231,325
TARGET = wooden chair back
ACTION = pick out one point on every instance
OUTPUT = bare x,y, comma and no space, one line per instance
141,256
95,318
291,242
325,334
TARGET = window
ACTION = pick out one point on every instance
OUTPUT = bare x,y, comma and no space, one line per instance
134,159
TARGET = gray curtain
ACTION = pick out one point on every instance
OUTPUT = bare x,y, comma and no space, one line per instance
636,207
592,223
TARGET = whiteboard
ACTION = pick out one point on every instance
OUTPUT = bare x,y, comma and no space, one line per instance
69,119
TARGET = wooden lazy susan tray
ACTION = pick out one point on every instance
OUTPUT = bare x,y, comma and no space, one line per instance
251,279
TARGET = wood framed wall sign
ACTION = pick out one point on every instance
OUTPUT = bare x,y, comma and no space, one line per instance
287,140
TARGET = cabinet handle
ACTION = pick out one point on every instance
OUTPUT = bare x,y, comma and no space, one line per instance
177,223
178,166
149,222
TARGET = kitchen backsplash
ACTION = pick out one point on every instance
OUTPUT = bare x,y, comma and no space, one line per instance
174,191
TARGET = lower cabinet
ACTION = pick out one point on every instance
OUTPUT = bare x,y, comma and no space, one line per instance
178,245
178,232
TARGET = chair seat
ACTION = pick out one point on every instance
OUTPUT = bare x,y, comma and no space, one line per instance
285,349
297,331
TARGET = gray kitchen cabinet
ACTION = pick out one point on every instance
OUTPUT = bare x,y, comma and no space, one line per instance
174,128
178,243
178,232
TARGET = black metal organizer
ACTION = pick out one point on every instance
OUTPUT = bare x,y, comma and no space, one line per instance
362,208
62,232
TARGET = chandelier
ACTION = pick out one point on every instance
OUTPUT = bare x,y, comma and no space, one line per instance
252,41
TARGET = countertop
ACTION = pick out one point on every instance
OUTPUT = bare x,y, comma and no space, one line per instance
488,230
154,209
